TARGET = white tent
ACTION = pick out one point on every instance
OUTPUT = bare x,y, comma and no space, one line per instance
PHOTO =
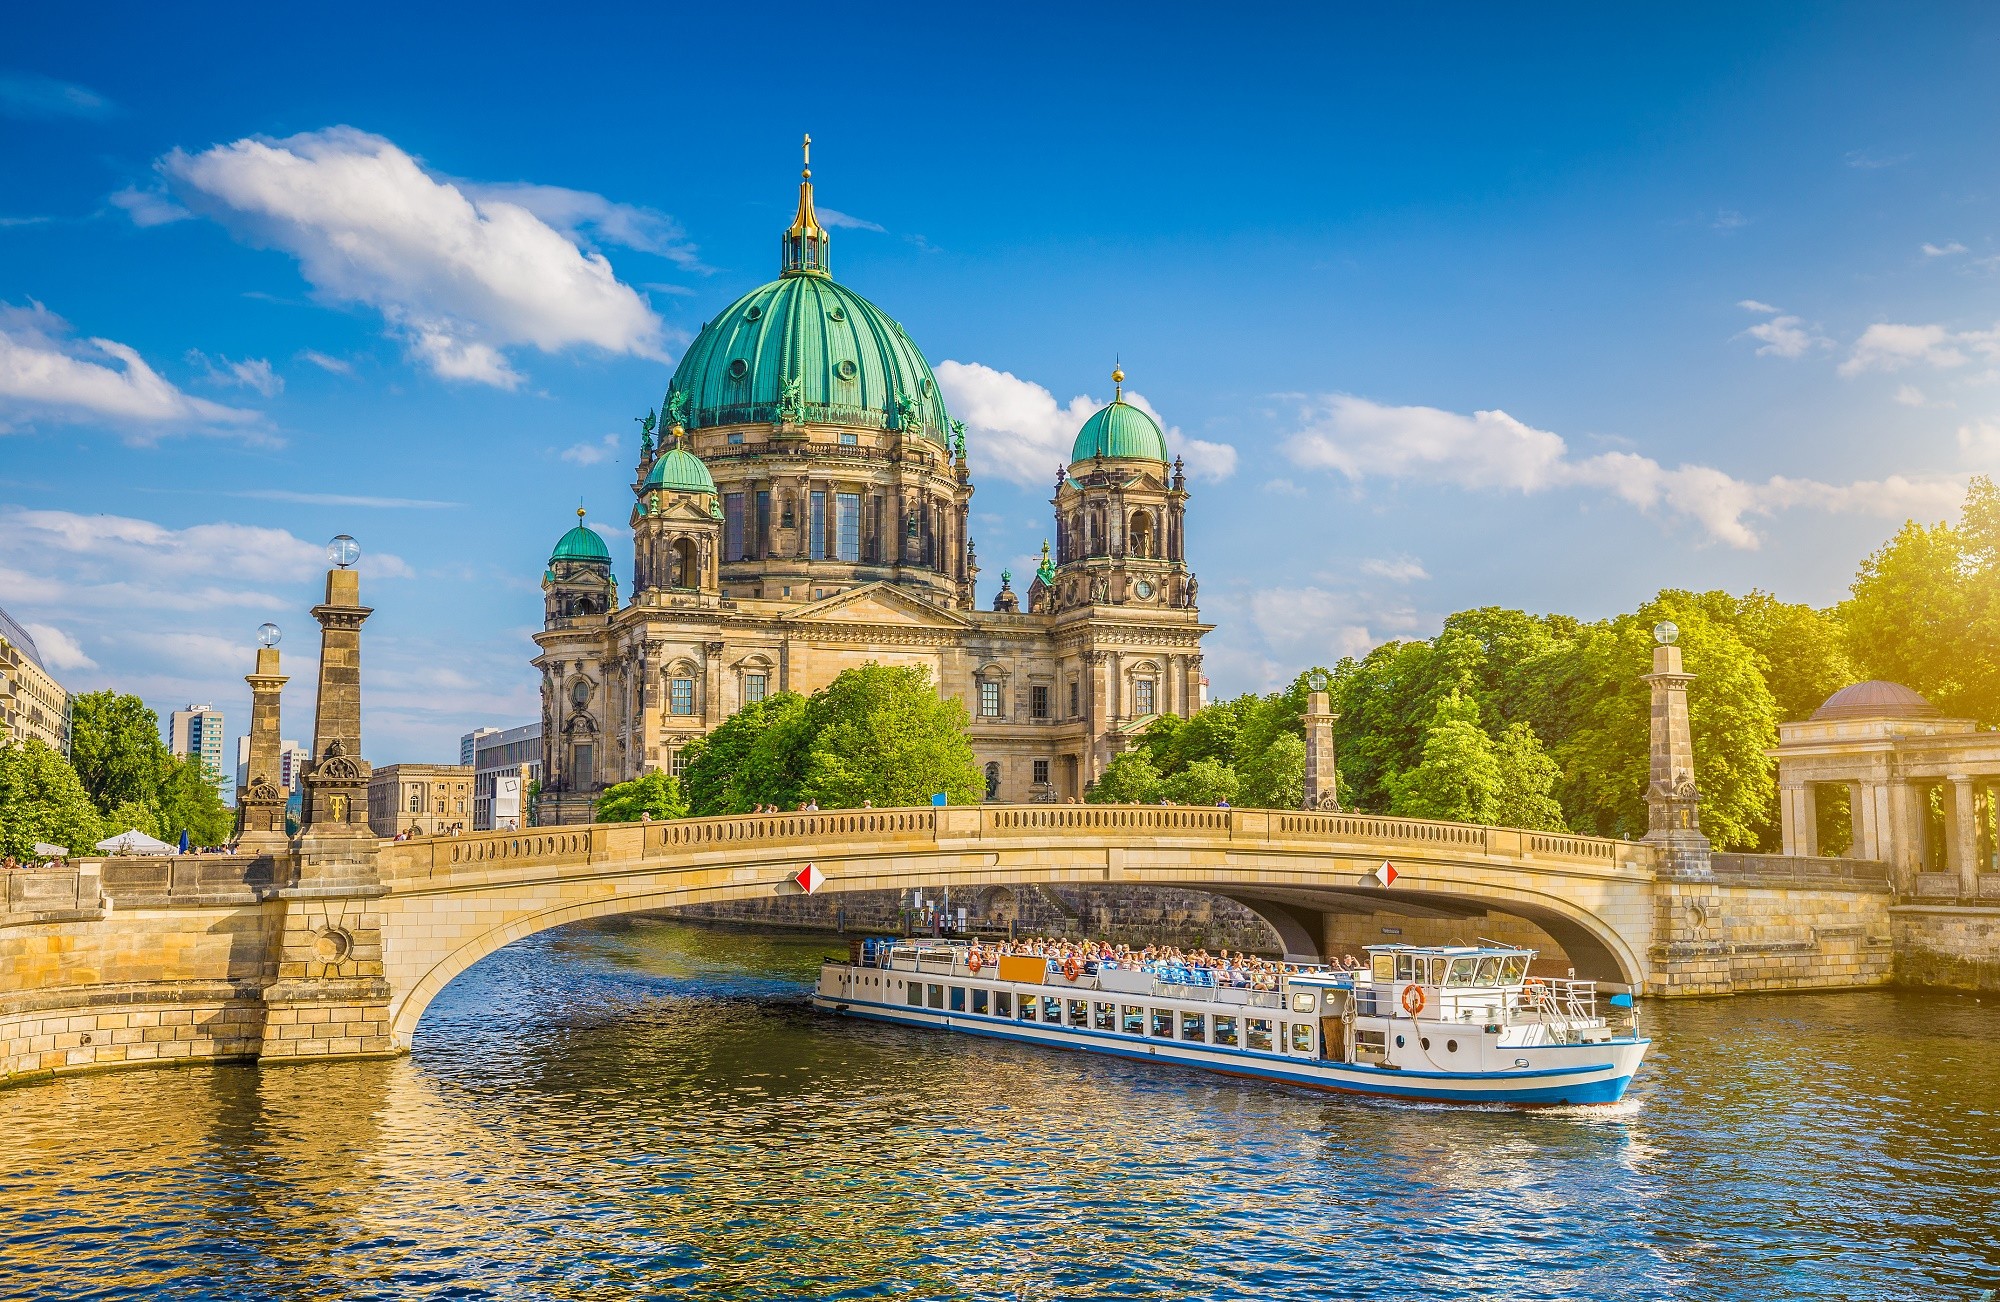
134,842
43,850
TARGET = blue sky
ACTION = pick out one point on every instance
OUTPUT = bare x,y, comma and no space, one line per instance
1447,306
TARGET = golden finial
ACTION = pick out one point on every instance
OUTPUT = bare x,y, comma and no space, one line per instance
579,515
1117,383
678,433
808,172
805,243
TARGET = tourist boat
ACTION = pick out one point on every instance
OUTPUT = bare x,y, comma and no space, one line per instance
1453,1024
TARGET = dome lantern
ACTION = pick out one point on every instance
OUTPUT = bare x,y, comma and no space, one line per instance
805,244
1120,430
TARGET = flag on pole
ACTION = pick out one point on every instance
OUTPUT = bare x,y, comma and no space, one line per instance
1386,874
809,879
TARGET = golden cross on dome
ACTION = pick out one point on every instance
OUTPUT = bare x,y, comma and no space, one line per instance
809,156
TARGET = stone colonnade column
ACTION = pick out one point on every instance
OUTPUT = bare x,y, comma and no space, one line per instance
1962,834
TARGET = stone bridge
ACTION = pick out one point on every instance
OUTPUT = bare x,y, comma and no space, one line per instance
130,961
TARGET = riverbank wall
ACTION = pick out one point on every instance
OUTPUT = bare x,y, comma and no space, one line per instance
1947,946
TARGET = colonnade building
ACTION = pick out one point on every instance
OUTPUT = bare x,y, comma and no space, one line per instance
805,510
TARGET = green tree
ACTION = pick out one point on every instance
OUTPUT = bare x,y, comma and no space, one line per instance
1528,780
721,777
1130,778
883,734
185,799
656,793
41,799
1276,779
1924,609
1459,777
1204,782
115,748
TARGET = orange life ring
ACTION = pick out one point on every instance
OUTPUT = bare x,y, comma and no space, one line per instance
1072,969
973,963
1413,1000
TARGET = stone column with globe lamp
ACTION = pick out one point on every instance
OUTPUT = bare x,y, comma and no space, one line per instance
331,998
1673,803
1322,775
260,801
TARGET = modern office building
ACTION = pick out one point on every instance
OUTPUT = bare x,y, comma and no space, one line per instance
198,731
505,764
32,703
468,745
291,758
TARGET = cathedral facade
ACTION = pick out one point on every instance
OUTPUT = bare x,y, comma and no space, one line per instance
804,511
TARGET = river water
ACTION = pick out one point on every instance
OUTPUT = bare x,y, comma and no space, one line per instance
649,1109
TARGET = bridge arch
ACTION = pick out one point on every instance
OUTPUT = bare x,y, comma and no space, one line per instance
453,901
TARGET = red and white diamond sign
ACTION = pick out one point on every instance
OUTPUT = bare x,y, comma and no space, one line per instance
1386,874
809,879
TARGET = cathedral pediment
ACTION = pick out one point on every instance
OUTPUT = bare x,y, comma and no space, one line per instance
877,603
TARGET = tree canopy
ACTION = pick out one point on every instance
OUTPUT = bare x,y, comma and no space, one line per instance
656,794
41,799
133,780
876,734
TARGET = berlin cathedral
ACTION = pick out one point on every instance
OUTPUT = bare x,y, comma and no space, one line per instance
804,511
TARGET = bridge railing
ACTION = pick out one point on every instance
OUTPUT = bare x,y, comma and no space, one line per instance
926,825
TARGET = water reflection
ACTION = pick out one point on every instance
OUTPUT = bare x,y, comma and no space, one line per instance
647,1109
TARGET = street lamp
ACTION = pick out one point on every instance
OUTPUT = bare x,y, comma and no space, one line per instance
1666,632
1319,680
268,635
343,551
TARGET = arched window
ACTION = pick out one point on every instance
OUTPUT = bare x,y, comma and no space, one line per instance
579,693
687,564
680,696
1141,535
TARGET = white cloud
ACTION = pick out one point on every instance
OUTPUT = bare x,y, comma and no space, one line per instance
1490,449
149,207
1861,158
1283,487
457,271
578,213
835,219
336,365
1727,219
253,373
1887,346
590,454
1943,250
44,371
1785,336
1396,569
27,95
1909,395
1981,442
1016,429
1752,305
59,650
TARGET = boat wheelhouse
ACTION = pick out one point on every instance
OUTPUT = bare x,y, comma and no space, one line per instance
1462,1024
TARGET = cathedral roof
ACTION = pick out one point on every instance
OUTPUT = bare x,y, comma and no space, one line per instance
808,350
679,471
1120,430
583,544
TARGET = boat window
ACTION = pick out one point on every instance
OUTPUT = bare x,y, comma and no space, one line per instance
1489,971
1302,1037
1462,970
1514,969
1407,968
1132,1019
1438,966
1079,1012
1003,1003
1257,1034
1194,1026
1104,1016
958,999
979,1001
1303,1001
1225,1030
937,996
916,995
1163,1023
1384,966
1052,1010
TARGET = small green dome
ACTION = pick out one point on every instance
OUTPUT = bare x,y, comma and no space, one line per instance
679,471
843,360
1120,430
581,544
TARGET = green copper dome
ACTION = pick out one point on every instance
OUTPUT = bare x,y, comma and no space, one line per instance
1120,430
678,471
581,544
807,349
